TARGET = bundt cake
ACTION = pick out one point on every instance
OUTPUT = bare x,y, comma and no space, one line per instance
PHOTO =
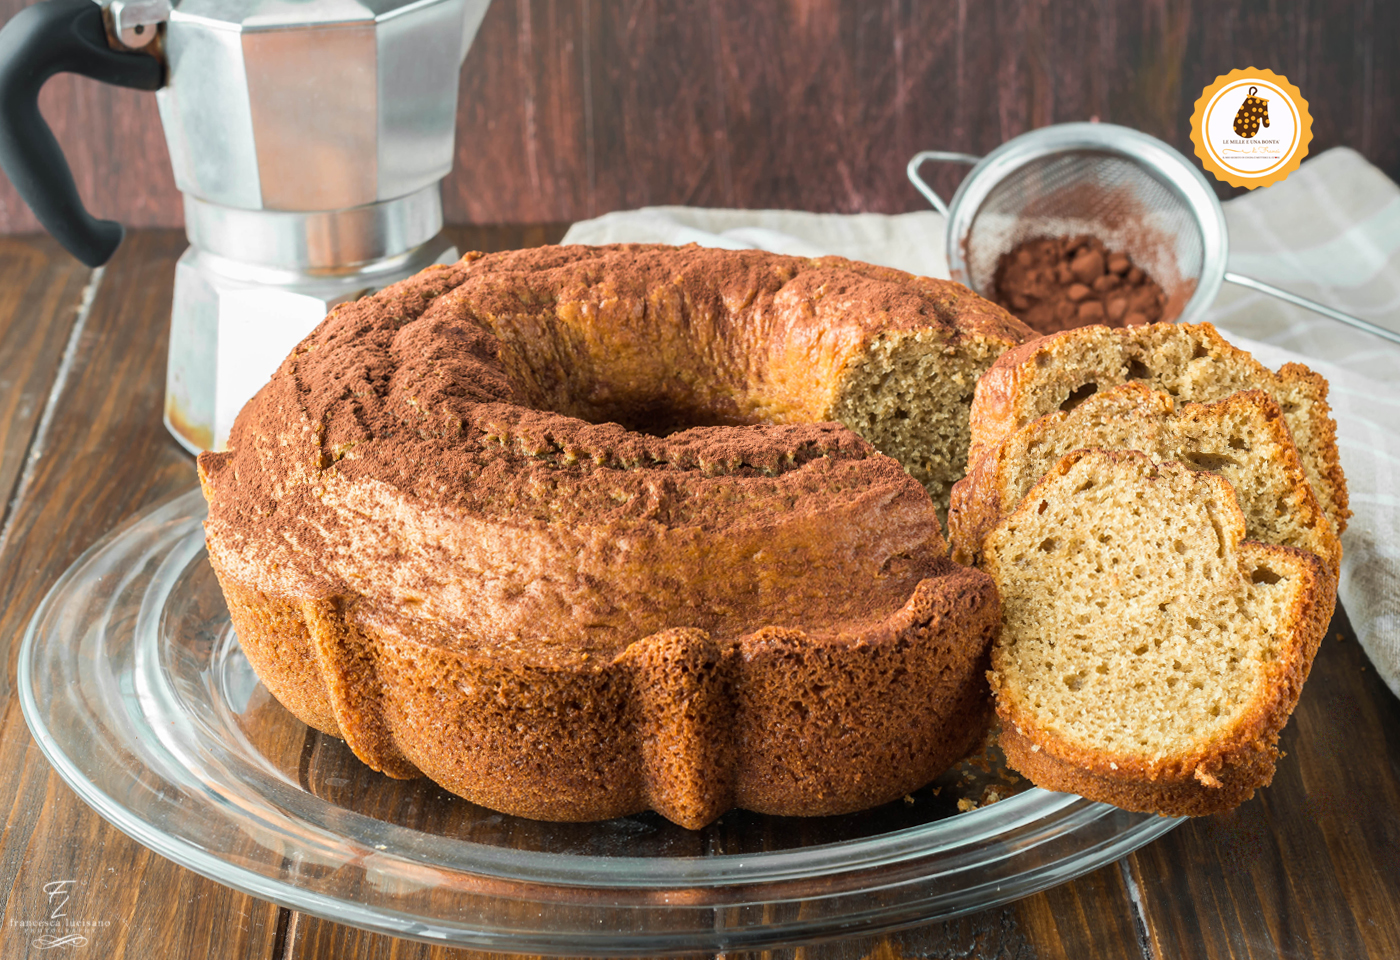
1243,438
578,532
1188,362
1149,655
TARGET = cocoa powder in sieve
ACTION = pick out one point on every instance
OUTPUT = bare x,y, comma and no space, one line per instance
1058,283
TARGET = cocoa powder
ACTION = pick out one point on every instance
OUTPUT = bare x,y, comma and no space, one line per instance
1058,283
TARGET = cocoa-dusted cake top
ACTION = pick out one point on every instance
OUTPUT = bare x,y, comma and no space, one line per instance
608,411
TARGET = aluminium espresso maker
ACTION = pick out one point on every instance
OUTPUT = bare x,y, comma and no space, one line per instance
309,138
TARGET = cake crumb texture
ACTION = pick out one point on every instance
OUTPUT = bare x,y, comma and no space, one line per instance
1149,654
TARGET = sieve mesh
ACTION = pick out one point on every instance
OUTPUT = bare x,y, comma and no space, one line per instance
1101,194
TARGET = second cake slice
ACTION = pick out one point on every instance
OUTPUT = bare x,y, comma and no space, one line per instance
1244,438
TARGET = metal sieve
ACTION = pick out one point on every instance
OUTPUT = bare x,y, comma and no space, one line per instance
1132,191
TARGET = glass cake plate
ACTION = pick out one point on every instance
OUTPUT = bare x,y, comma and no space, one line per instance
134,686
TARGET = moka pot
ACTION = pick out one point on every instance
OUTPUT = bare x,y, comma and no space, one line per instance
308,137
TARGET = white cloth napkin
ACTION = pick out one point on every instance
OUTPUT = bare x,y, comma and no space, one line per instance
1330,232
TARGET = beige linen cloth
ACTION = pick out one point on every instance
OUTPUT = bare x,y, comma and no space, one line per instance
1330,232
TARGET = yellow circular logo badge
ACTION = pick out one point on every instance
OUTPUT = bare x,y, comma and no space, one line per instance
1251,128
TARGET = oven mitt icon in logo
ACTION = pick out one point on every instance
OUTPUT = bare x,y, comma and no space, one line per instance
1252,112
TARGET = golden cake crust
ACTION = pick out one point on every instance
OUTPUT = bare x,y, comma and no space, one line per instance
435,544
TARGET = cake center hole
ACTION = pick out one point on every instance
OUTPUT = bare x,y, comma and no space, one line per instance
659,416
651,398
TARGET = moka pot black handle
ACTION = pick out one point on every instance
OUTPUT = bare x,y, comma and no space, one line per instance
59,36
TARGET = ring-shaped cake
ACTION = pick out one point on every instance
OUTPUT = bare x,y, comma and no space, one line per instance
582,531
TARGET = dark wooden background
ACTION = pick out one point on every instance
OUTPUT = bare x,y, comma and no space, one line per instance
572,108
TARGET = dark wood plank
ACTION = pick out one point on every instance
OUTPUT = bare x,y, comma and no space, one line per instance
569,110
105,456
1088,918
1310,868
41,291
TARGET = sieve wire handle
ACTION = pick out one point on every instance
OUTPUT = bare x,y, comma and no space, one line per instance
1304,302
919,159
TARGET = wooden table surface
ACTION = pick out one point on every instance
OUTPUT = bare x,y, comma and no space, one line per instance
1310,868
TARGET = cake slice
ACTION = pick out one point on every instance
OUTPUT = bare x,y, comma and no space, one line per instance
1243,438
1191,363
1149,655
